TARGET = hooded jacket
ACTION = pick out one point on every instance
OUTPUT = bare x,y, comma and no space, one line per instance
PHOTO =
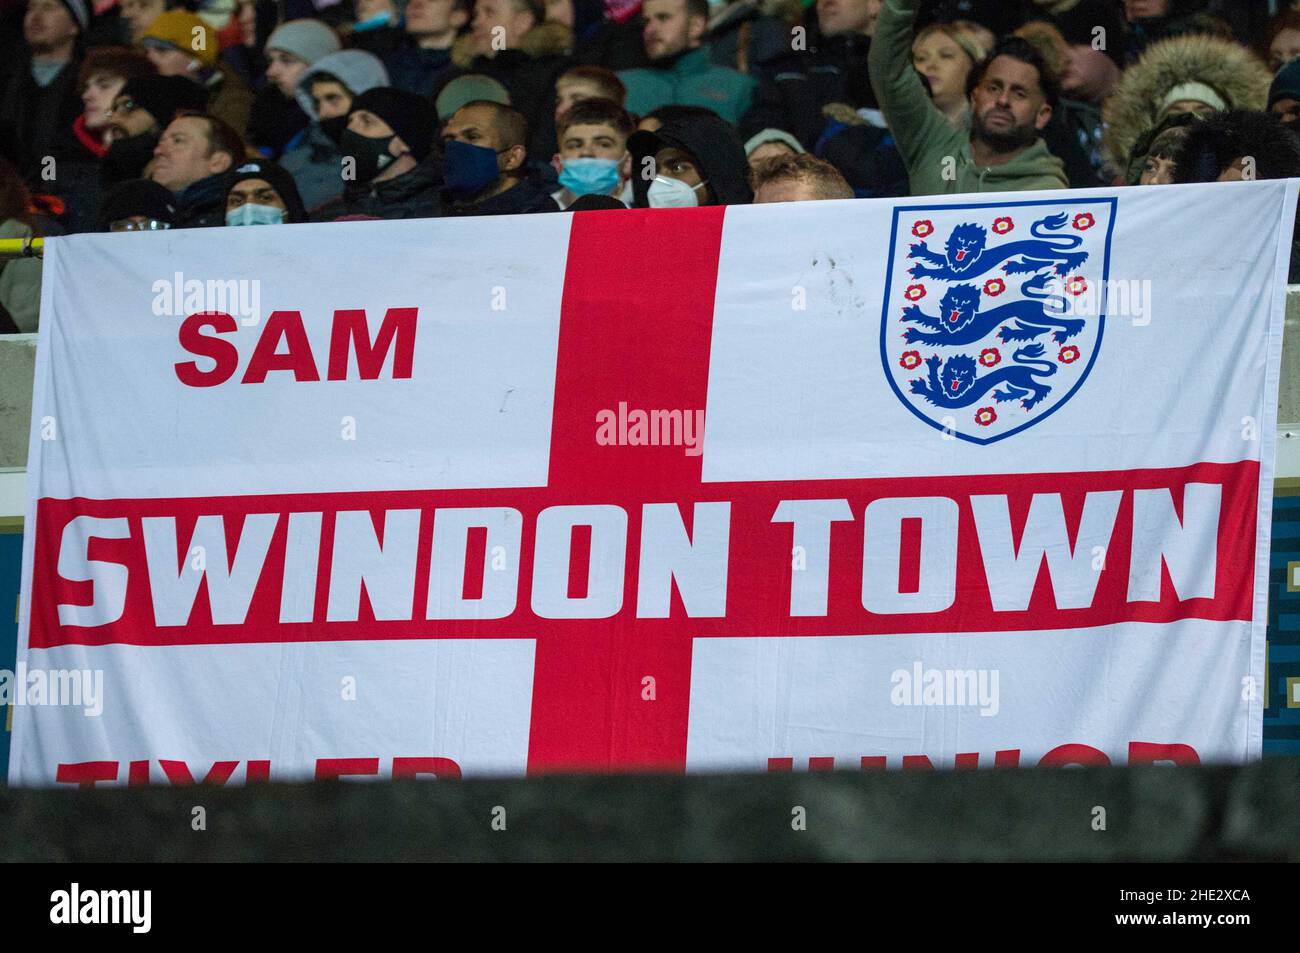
524,197
718,152
925,138
1231,69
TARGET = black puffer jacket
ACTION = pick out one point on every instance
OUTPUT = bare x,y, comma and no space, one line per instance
412,194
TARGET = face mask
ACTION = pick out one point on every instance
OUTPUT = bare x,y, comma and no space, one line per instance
371,155
334,127
252,214
672,193
378,20
589,176
126,158
466,168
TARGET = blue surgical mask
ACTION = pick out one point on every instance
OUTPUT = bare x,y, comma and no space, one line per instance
467,168
590,176
372,23
252,214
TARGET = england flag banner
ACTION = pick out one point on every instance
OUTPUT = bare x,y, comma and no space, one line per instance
939,482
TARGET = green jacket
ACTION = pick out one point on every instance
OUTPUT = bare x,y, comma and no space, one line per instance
938,157
20,281
690,80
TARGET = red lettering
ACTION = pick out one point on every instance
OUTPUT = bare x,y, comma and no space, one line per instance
137,773
223,353
414,767
350,329
339,767
257,772
86,774
780,764
1145,752
298,357
178,772
1062,755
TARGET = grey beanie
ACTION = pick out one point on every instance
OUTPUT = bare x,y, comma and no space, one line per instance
773,135
355,69
309,40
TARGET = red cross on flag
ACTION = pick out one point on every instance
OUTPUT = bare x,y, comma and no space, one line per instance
651,490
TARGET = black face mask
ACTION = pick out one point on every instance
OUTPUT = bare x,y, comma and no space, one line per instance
126,158
371,155
334,127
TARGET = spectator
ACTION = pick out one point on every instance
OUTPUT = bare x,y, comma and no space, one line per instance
1284,94
593,157
1073,134
832,70
38,84
1150,21
377,28
797,178
1094,36
325,93
1155,155
510,42
680,72
945,54
138,14
484,158
769,144
388,140
192,157
587,82
424,52
469,88
1235,145
262,193
1186,73
181,44
139,114
279,123
256,20
1012,95
1283,39
137,206
20,279
753,37
697,161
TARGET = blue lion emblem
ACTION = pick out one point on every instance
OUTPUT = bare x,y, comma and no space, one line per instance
960,321
968,256
994,333
959,385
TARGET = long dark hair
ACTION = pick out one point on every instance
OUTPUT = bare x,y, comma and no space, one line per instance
15,200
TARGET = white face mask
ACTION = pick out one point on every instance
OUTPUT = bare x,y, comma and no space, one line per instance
672,193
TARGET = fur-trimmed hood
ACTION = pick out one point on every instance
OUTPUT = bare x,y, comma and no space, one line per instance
1231,69
545,39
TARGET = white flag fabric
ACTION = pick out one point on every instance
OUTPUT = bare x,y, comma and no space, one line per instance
869,484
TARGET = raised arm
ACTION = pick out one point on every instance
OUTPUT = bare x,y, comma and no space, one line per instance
911,114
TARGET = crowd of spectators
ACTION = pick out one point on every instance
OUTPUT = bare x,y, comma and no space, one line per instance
128,115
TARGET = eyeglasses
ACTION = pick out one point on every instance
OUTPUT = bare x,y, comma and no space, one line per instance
125,105
130,225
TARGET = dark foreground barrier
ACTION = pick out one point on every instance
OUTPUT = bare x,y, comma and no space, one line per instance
1102,814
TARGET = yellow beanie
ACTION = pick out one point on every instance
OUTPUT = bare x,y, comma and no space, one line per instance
184,31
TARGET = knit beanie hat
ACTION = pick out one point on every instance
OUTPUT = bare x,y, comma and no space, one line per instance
278,179
308,40
184,31
1286,84
410,116
80,13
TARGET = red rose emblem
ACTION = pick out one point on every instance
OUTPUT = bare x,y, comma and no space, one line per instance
914,292
1068,355
1003,225
985,416
910,360
994,287
1076,285
990,356
922,228
1084,221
